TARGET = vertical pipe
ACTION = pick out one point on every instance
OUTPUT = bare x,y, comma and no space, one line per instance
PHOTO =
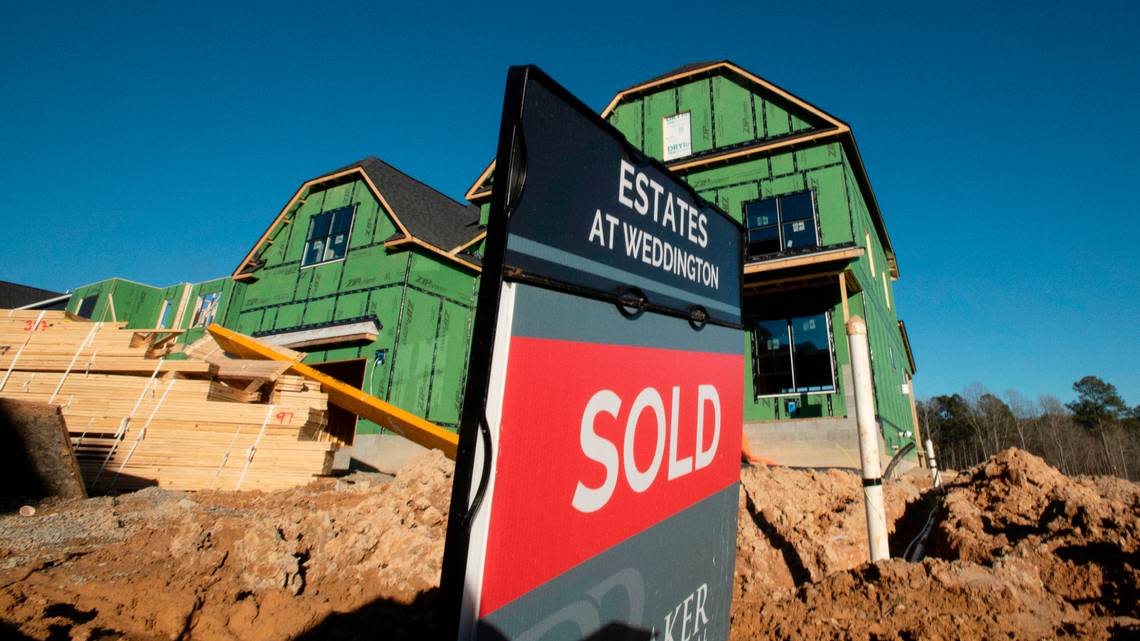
933,463
868,438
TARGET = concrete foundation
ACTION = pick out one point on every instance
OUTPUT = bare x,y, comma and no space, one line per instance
385,453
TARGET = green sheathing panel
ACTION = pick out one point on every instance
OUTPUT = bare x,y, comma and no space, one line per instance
449,366
654,109
135,304
424,305
888,354
732,109
100,291
627,118
694,98
777,121
415,346
484,214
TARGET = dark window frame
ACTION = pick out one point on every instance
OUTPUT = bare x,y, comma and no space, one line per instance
93,299
789,350
780,223
332,229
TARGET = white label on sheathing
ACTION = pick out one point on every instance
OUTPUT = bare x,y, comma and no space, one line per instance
678,136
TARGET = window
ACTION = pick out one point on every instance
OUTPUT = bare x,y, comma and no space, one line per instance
792,356
328,236
87,306
785,223
886,291
164,315
205,308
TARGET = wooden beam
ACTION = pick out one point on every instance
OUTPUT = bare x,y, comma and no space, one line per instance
846,253
346,396
843,297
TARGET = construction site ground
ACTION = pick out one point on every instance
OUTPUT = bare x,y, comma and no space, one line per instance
1015,550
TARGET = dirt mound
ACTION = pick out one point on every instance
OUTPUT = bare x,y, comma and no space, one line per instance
1016,550
798,526
1083,533
1021,551
224,565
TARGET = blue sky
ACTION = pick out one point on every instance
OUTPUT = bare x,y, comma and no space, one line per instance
156,142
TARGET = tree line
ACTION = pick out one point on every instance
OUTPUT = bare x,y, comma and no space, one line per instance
1098,433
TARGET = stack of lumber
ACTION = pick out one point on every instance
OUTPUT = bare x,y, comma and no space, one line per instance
206,422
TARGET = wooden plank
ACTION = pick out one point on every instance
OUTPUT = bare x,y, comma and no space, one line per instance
346,396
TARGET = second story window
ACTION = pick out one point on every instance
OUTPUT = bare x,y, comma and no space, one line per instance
328,236
782,224
205,308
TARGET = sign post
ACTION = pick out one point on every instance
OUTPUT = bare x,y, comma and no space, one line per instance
597,475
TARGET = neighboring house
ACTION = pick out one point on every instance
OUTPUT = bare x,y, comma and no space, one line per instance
818,250
14,295
365,268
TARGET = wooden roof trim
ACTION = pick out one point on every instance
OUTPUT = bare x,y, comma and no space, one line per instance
307,185
786,95
452,255
477,189
906,345
757,149
478,237
436,250
831,255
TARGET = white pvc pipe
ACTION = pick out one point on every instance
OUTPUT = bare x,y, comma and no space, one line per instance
868,439
933,463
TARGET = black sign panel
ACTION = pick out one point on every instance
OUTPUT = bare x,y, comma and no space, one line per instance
597,475
589,210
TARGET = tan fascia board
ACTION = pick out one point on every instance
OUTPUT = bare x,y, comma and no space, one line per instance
476,190
452,255
408,237
436,250
846,253
736,154
767,86
478,237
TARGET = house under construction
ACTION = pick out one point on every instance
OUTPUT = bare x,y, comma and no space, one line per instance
375,274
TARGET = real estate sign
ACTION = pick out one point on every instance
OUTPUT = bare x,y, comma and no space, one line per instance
597,478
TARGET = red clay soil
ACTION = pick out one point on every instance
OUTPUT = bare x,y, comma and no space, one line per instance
1016,550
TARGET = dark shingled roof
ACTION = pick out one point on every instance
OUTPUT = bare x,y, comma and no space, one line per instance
14,295
428,214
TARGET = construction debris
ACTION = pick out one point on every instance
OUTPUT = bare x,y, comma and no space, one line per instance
138,415
36,453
